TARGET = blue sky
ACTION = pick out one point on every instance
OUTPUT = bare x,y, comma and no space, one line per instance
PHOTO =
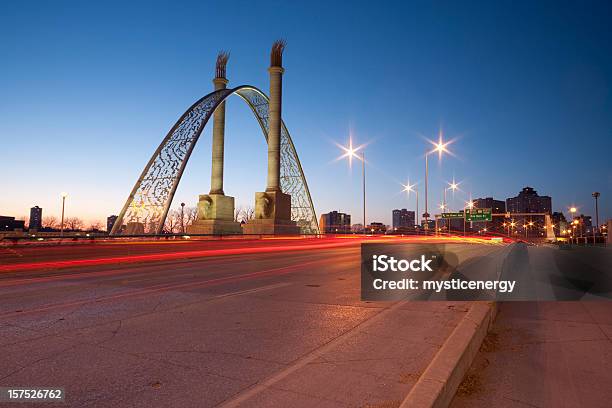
88,90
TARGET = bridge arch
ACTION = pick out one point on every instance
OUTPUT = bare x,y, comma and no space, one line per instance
151,196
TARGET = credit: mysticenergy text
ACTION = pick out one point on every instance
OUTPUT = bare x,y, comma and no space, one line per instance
391,272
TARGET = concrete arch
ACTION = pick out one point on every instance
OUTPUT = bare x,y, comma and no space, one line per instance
151,196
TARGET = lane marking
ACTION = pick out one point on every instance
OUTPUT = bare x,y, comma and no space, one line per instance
167,287
168,256
126,271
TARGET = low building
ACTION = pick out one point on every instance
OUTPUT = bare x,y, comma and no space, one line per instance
376,228
559,222
431,224
584,225
11,224
335,222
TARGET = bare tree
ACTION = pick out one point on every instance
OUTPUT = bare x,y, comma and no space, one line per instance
95,226
248,214
26,220
172,220
73,223
49,222
191,215
237,214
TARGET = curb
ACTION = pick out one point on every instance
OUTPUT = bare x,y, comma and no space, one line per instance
438,384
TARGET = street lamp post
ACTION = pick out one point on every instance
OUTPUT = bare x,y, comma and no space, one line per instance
416,191
64,195
596,197
439,147
351,152
363,176
426,214
183,218
573,211
451,186
411,187
470,205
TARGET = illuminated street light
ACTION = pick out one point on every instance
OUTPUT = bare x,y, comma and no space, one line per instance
439,147
454,186
573,210
412,188
470,205
351,152
451,186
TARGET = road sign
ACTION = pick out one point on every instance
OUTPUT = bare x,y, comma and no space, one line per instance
478,214
452,215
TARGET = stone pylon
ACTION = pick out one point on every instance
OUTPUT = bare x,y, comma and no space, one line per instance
215,209
273,207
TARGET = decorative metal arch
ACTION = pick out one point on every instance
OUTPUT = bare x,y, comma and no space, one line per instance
150,199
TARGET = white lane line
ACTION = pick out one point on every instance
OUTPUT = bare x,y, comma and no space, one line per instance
254,290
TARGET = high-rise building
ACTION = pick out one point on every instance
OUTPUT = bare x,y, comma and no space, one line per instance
35,218
403,219
110,222
335,222
528,201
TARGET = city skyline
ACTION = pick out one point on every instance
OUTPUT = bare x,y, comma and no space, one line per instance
101,102
507,204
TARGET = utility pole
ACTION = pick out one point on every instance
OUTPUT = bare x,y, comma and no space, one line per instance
64,195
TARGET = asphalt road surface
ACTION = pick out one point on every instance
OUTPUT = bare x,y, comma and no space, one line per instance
277,323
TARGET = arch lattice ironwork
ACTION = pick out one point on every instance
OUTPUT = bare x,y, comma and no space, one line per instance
151,197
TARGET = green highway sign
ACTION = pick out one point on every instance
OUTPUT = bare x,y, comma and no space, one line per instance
478,214
452,215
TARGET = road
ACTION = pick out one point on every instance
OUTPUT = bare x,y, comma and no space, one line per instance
204,324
